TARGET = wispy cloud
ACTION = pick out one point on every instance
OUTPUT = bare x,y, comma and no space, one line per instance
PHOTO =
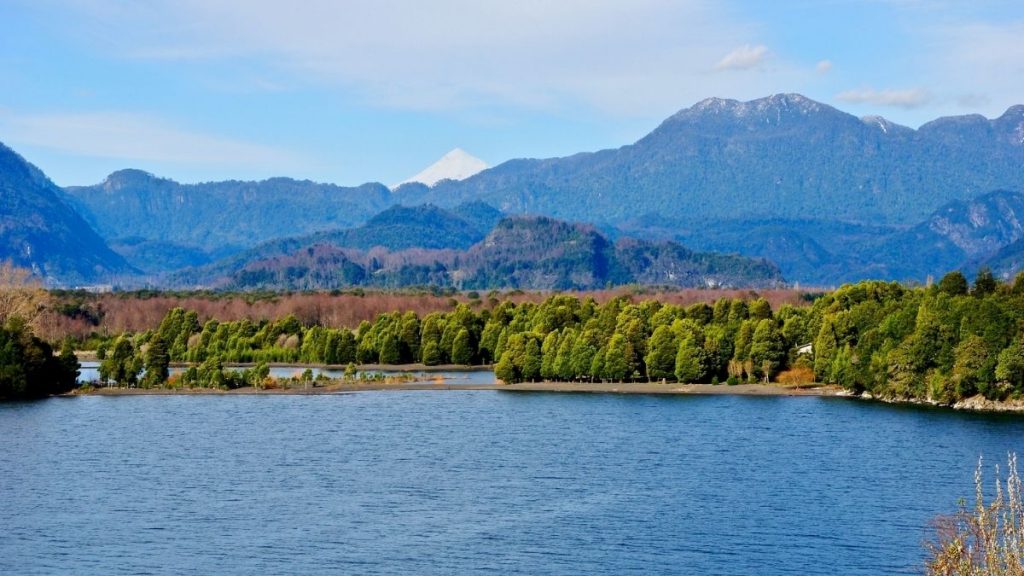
906,98
131,138
985,57
743,58
623,57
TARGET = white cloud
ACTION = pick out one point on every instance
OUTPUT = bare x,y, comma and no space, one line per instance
823,67
983,57
138,138
641,57
743,58
906,98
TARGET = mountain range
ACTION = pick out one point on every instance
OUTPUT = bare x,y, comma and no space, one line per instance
826,196
780,157
151,219
518,252
39,231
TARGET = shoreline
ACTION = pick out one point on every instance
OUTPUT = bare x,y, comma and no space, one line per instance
975,405
558,387
416,367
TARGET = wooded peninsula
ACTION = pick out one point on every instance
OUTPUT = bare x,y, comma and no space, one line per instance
942,343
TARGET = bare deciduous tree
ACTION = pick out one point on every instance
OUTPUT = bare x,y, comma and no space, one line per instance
21,295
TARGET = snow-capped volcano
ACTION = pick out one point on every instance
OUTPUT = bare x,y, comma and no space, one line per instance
455,165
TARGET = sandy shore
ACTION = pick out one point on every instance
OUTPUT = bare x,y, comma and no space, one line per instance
579,387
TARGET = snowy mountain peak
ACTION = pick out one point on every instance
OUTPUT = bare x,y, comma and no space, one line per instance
455,165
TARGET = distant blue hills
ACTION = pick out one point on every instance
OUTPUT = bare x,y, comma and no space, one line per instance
824,195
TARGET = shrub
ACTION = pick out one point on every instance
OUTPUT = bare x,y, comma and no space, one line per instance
987,539
796,376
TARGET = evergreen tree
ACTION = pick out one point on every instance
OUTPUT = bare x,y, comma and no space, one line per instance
548,354
504,370
157,363
661,353
953,284
120,365
984,283
689,360
70,367
767,349
597,366
531,361
563,360
431,354
616,362
462,351
390,353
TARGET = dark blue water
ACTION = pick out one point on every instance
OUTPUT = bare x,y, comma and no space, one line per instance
475,482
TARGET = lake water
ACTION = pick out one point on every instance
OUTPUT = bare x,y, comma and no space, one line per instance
90,372
477,482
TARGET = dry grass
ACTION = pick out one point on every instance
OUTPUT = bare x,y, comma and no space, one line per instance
987,539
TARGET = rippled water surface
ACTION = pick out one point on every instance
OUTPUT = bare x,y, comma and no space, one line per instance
473,482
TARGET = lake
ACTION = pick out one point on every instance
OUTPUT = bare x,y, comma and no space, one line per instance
473,482
90,372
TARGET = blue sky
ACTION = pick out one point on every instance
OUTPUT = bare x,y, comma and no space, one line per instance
349,92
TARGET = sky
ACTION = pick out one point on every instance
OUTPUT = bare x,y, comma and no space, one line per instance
350,92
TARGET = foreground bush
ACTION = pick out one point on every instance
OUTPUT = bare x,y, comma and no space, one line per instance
987,539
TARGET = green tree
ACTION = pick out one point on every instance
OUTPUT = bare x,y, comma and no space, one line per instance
984,283
431,354
767,349
597,366
690,360
616,361
953,284
531,361
1010,367
548,354
157,363
563,360
70,368
662,350
121,365
390,352
504,370
760,309
462,350
974,367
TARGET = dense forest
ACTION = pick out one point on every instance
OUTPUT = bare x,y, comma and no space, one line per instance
28,366
519,252
942,343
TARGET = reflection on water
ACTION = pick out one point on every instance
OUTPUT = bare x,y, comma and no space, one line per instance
90,373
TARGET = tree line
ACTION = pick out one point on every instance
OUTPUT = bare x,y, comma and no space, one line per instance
28,366
944,342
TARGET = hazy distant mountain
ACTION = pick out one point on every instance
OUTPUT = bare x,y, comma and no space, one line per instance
397,228
520,252
455,165
782,157
959,235
1008,262
214,219
41,232
827,196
